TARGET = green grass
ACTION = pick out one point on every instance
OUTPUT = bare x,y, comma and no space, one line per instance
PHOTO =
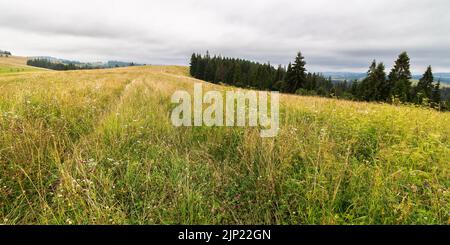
15,64
4,70
98,147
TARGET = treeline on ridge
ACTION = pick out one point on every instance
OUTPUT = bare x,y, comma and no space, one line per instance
60,66
44,63
376,86
249,74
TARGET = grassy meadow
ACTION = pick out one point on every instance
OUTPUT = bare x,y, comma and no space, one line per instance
98,147
16,64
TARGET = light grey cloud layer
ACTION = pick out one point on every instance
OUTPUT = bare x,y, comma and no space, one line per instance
333,35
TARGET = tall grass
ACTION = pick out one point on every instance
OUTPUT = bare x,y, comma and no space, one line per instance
98,147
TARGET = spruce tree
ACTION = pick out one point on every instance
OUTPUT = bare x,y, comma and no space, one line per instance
374,86
279,76
399,78
383,90
425,86
436,94
201,66
369,85
297,74
314,81
355,89
237,76
290,79
193,65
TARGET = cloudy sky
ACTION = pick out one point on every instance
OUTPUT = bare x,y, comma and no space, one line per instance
333,35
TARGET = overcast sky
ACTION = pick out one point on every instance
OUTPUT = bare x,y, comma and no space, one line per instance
333,35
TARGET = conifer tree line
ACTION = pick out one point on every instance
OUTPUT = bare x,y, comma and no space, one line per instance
376,86
237,72
58,66
249,74
45,63
397,85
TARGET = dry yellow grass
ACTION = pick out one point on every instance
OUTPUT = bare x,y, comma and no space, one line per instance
14,64
13,61
98,147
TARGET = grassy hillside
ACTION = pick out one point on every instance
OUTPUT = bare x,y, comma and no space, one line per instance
15,64
98,147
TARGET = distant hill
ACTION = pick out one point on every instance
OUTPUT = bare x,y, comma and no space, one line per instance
108,64
444,77
15,64
351,76
55,60
341,76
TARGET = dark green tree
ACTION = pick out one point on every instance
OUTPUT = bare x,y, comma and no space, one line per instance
374,87
289,79
424,87
399,78
193,65
436,94
383,89
296,77
368,86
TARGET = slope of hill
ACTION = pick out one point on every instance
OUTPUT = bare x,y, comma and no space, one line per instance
341,76
14,64
96,65
98,147
444,78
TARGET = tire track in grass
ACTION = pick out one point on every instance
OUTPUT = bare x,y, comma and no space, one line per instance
113,141
75,172
58,158
31,190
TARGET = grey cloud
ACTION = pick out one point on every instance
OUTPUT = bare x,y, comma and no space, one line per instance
333,35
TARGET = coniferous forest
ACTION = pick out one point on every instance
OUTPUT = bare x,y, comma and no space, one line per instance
377,86
60,66
44,63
